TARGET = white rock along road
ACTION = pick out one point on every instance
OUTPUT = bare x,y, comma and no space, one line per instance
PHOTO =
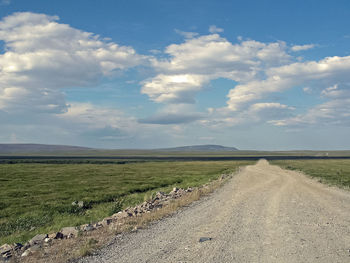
263,214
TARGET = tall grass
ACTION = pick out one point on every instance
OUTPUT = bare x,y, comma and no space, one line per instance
333,172
37,198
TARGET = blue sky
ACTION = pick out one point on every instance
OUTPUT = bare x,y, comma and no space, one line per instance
266,75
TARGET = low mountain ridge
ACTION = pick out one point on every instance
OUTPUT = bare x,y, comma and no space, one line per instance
200,148
31,148
13,148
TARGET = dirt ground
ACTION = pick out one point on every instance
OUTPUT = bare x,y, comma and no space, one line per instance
263,214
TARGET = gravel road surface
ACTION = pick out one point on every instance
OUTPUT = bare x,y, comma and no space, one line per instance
263,214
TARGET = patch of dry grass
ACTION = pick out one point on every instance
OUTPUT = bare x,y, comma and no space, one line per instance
88,248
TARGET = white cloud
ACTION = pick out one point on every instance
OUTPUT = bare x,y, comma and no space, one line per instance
96,117
42,56
307,90
302,47
186,34
80,124
262,112
197,61
86,121
179,88
334,92
323,72
268,105
259,69
214,29
333,112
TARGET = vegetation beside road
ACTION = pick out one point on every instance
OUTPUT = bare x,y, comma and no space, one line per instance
333,172
37,198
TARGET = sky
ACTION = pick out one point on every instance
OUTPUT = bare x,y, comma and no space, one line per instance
256,75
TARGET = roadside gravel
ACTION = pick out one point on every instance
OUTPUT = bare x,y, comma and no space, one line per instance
263,214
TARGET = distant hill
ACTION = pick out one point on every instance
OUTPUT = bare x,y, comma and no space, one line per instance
46,149
38,148
200,148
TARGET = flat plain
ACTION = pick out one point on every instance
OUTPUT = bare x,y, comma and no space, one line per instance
333,172
37,197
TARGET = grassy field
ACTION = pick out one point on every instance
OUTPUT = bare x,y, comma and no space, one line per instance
333,172
37,198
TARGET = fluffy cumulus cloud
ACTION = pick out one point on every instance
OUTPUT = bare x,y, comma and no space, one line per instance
258,70
333,112
194,63
256,113
320,74
42,56
302,47
190,66
178,88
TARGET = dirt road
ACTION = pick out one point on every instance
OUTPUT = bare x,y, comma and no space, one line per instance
264,214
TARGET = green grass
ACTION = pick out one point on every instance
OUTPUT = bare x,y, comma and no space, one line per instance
36,198
333,172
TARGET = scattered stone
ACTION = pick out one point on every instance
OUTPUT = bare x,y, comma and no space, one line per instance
97,225
7,255
5,248
31,250
17,246
25,246
56,235
69,232
6,251
87,227
47,240
78,203
26,253
224,176
203,239
38,239
107,221
120,215
160,195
